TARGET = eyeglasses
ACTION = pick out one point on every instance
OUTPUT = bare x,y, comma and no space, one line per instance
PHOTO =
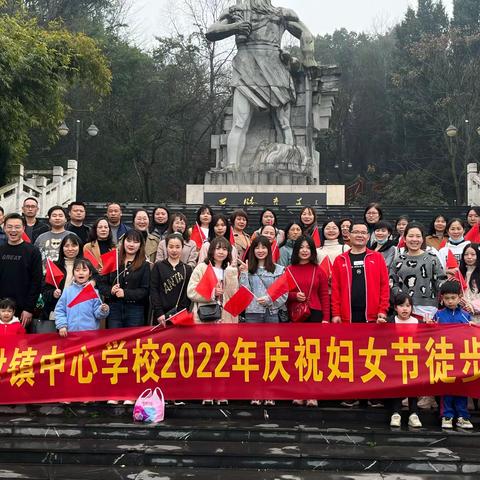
13,227
357,232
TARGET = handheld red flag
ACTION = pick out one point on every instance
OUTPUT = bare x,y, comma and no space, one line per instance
197,235
87,293
232,237
89,256
473,234
282,285
207,283
444,242
182,318
401,243
53,275
239,302
326,266
452,262
275,252
110,262
26,238
460,279
316,238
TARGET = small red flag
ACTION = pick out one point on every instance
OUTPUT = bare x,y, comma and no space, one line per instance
281,285
53,275
444,242
239,302
89,256
232,237
275,251
207,283
460,279
401,242
316,238
182,318
110,262
197,235
26,238
326,266
87,293
451,260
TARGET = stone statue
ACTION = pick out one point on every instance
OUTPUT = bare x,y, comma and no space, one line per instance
261,71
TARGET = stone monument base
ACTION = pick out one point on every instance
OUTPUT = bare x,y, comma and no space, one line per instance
274,195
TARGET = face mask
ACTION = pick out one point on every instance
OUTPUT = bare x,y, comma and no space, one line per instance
456,242
382,242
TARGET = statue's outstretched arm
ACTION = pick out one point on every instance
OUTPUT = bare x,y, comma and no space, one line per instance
226,26
307,41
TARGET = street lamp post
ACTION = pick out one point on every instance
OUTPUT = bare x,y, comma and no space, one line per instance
63,130
452,132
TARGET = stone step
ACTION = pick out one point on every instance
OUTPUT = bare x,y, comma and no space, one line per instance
284,431
86,472
247,455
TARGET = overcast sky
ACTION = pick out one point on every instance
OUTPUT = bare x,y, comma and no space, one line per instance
151,17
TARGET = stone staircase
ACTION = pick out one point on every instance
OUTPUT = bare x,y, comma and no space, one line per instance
99,441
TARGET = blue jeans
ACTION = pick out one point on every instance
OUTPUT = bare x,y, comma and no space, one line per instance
454,407
265,317
124,315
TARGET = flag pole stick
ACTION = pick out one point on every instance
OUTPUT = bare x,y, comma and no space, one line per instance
116,256
288,270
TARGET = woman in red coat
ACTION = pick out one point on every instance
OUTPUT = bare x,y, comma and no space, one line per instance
311,287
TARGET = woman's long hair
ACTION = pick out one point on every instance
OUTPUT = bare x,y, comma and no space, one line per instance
215,220
253,260
474,283
296,250
219,241
139,259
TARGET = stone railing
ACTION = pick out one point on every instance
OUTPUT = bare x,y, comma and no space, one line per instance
50,187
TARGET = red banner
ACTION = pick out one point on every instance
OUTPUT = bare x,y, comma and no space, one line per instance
285,361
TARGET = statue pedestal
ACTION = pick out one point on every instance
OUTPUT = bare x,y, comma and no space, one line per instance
266,195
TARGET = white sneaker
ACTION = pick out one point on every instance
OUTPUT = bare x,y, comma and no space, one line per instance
396,420
112,402
405,402
129,402
207,402
447,422
414,421
464,423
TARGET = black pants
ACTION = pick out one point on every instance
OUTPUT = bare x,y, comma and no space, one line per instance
316,316
396,405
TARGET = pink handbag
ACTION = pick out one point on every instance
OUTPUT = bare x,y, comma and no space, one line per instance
150,406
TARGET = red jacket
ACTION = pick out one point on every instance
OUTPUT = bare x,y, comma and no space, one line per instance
376,284
14,327
319,298
473,234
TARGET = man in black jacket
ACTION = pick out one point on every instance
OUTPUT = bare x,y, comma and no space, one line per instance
20,269
33,226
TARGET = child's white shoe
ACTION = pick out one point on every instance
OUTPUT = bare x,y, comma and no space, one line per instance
464,423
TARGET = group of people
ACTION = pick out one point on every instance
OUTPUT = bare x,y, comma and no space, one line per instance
345,271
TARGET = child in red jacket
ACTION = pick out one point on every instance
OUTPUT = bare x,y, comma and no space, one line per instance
9,324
